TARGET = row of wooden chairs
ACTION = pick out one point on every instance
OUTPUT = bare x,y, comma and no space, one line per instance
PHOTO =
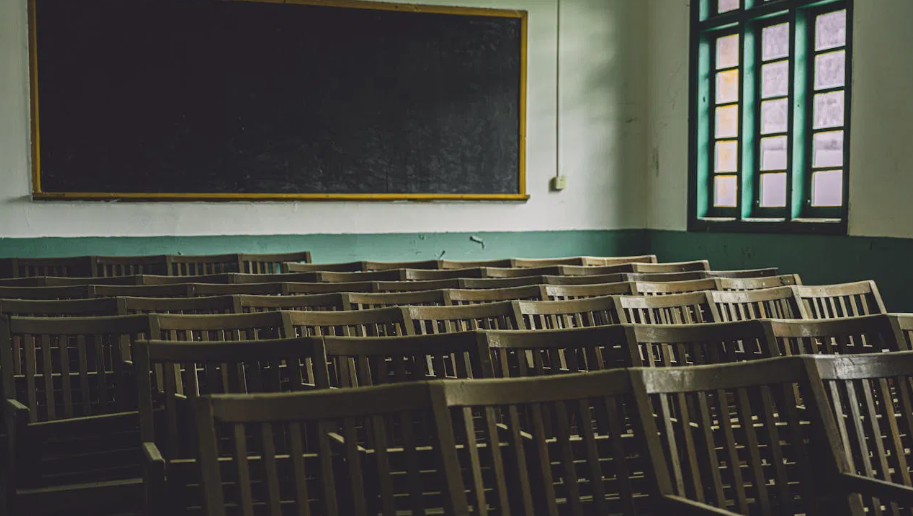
574,261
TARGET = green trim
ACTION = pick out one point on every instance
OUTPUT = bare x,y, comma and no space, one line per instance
749,140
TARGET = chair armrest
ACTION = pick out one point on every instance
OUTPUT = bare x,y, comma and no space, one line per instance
684,507
153,479
884,491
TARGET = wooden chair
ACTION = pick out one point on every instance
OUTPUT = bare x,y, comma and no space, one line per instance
414,286
253,289
488,283
771,303
663,288
379,322
427,320
201,265
431,275
601,270
171,305
76,266
290,289
846,300
758,283
691,308
657,277
351,277
521,272
184,371
114,266
361,362
221,279
517,354
386,449
366,301
55,281
524,263
251,263
74,292
733,440
174,290
456,297
322,267
70,419
696,265
474,264
383,266
701,344
59,308
549,445
598,279
846,336
217,328
868,402
306,303
572,292
295,277
597,261
556,315
747,273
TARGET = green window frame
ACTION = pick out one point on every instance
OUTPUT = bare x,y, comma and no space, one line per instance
770,115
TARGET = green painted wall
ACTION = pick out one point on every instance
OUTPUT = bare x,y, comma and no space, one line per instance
818,259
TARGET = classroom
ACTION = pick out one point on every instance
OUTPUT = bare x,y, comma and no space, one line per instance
409,257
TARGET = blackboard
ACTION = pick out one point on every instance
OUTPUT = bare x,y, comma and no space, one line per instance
303,99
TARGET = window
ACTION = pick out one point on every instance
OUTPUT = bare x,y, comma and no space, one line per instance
770,115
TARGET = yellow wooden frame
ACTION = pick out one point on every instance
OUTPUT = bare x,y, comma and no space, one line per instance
37,193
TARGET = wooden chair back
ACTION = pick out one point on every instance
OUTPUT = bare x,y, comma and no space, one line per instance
201,265
664,276
489,283
56,281
847,336
600,270
387,449
525,263
306,303
217,328
326,288
76,266
548,445
252,289
771,303
428,320
431,275
572,292
696,265
383,266
517,354
175,290
521,272
361,362
662,288
293,277
700,344
413,286
473,264
597,261
560,315
691,308
34,281
219,278
176,305
366,301
846,300
734,439
73,292
598,279
379,322
59,307
456,297
758,283
350,277
745,273
322,267
251,263
115,266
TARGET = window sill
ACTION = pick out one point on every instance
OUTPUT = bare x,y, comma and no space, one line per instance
797,226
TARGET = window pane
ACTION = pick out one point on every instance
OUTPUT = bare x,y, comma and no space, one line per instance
829,110
727,156
773,153
830,30
828,150
775,79
727,122
827,188
773,190
725,189
774,116
775,42
830,70
727,87
724,6
727,51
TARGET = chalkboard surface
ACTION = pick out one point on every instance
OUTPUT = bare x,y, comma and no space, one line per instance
197,99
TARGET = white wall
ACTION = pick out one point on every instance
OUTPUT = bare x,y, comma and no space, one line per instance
881,161
603,137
